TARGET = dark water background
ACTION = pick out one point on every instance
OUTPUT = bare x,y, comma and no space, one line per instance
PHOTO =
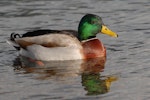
128,57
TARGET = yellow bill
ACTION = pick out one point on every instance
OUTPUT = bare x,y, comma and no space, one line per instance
109,80
106,30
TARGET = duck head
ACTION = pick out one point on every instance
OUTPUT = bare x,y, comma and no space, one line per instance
90,25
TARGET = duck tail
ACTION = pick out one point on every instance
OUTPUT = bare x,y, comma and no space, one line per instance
13,36
12,41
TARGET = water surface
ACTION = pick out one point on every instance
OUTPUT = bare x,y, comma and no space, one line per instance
127,56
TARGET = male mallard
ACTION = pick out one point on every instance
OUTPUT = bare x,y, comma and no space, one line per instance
48,45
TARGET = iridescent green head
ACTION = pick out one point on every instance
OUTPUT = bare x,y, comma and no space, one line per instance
90,25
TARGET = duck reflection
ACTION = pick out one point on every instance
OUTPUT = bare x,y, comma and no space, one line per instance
95,84
89,70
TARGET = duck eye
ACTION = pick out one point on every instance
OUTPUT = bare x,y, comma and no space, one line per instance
93,22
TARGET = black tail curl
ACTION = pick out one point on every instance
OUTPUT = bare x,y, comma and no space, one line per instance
14,35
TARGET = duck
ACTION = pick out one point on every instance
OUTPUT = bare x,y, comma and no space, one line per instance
60,45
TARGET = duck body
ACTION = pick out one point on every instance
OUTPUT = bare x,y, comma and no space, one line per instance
55,45
60,45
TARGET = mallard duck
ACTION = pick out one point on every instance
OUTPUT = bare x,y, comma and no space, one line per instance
49,45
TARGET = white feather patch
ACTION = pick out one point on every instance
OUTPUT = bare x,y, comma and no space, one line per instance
39,52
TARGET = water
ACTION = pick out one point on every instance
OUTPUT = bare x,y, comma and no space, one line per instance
128,62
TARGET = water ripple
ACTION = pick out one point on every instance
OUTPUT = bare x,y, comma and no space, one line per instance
128,55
